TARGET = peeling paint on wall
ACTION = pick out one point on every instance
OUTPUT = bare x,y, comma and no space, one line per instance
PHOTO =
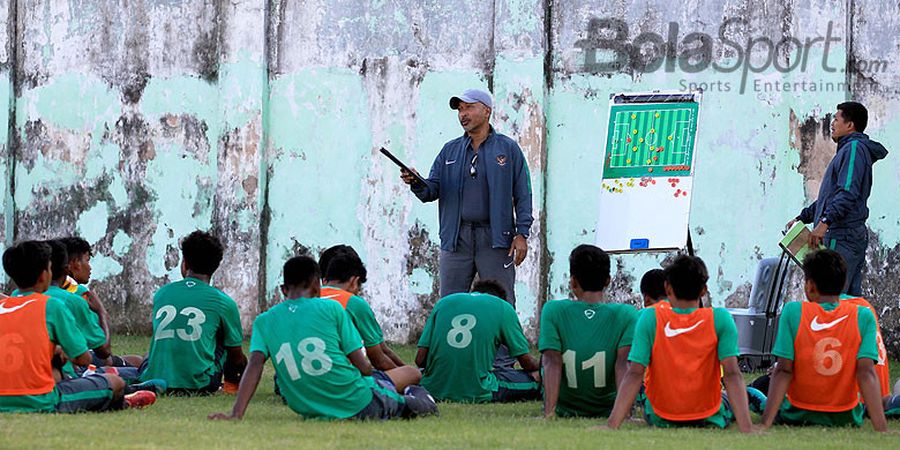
261,121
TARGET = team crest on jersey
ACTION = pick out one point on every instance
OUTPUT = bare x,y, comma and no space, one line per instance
501,160
589,313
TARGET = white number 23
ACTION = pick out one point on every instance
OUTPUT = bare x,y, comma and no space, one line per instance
196,319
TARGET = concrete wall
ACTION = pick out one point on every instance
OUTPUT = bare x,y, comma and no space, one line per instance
133,123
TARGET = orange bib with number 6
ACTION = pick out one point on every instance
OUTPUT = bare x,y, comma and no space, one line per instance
825,352
25,347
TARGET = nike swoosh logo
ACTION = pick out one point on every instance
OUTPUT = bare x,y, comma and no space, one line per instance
672,332
5,310
816,326
447,163
331,296
506,266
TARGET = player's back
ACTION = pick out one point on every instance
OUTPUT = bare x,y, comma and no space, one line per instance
588,336
882,367
826,346
32,324
192,323
462,334
87,321
309,340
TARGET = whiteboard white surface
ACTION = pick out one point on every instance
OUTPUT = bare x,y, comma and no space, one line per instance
647,177
652,212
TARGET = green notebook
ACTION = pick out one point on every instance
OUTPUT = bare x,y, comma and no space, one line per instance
796,242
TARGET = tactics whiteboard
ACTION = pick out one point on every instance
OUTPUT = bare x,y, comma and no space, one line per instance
648,168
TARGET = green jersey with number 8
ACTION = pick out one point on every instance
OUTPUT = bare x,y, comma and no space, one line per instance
191,321
588,336
308,340
462,334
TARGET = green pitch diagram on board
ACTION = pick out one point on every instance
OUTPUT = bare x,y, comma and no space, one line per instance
650,140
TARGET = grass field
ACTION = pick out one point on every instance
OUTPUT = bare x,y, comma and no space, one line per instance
182,423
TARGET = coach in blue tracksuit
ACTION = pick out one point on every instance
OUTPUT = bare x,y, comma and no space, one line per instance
483,188
840,211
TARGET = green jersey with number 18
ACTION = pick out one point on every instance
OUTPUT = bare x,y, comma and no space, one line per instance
308,340
192,321
462,334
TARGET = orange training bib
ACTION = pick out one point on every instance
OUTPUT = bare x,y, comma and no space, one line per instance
684,365
25,346
825,352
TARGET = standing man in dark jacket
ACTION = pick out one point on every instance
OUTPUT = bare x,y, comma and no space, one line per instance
483,188
840,211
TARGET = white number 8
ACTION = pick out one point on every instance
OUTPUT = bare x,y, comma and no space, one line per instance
460,336
824,350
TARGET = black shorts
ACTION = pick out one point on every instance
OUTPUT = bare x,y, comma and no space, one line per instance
215,383
90,393
117,361
385,405
515,386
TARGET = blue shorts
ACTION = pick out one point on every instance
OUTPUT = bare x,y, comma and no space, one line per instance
383,380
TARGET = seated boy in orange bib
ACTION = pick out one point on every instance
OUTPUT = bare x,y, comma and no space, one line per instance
682,347
827,350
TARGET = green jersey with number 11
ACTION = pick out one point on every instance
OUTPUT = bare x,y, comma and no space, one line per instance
191,321
308,340
588,336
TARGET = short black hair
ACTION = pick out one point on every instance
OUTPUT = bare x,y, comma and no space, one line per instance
301,271
344,266
491,287
25,262
332,252
856,113
653,284
59,258
687,275
827,269
76,246
589,265
202,252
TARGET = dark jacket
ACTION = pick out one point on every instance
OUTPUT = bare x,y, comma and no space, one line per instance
508,181
846,185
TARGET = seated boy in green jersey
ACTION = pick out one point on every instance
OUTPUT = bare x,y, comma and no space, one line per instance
827,351
686,349
78,274
342,283
585,342
460,340
653,287
85,319
35,329
318,358
196,326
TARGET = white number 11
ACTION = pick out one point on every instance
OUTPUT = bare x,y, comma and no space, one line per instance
597,362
